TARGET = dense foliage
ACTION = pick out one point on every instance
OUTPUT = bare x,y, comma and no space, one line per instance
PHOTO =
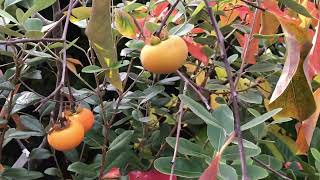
244,104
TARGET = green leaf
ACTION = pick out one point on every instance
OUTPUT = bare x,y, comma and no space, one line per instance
263,67
22,100
181,29
216,136
188,168
34,34
125,24
6,15
36,7
254,172
151,92
250,97
258,120
186,147
92,69
82,169
10,32
200,111
99,32
225,117
315,153
24,134
40,153
33,24
8,3
122,140
31,123
232,152
52,172
132,6
270,161
292,4
6,85
20,174
227,172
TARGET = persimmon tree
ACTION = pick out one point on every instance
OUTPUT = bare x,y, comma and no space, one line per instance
179,89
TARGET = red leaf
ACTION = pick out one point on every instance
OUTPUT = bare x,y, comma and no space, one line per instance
148,175
195,49
243,11
251,47
197,30
212,3
160,7
312,63
211,173
113,173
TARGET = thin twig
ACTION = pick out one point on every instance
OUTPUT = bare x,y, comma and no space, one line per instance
246,46
186,80
279,174
234,98
164,21
176,146
253,5
26,40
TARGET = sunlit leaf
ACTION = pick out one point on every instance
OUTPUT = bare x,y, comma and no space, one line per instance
99,32
125,24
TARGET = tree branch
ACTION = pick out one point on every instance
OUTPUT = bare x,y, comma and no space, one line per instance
234,98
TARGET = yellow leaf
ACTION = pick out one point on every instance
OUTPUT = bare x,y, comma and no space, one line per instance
213,103
243,84
99,32
81,12
221,73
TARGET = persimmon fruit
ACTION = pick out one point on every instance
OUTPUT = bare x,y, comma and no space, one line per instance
165,57
84,116
66,138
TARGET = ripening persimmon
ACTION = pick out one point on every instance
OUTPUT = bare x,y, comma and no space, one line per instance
66,138
165,57
84,116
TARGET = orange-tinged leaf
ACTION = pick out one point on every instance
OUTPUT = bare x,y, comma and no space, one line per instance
99,32
195,49
114,173
292,82
305,131
200,76
269,24
251,45
72,67
240,38
74,61
211,173
197,30
1,168
125,24
312,63
228,17
16,118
